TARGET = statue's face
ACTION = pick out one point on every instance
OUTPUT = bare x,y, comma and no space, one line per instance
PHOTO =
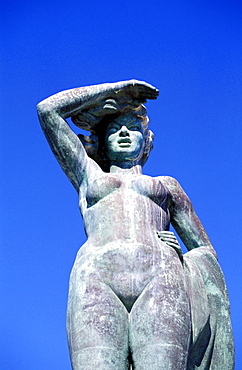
125,138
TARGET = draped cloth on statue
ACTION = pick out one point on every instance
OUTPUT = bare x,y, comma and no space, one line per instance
212,339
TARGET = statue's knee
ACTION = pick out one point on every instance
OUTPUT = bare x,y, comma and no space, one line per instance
101,358
161,356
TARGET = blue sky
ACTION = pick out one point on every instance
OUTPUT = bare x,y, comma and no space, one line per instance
191,51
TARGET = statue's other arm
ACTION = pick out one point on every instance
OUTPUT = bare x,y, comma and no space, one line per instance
183,217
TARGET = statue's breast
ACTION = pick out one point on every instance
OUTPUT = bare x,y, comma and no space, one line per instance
101,187
150,187
143,185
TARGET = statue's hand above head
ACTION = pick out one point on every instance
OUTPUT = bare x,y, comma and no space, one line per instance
122,95
136,89
111,98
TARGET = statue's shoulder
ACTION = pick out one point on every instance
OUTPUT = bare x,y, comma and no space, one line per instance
169,182
173,188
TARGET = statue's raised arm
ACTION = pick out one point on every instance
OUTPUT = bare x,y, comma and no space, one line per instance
86,106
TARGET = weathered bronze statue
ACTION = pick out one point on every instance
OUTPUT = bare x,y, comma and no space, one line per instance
134,299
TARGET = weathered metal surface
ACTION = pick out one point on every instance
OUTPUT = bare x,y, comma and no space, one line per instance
133,298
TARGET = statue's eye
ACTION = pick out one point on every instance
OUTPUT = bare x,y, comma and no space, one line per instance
113,128
134,127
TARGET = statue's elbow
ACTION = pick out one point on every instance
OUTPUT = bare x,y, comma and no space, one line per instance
43,108
45,111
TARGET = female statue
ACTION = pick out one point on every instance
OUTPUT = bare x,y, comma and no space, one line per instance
134,300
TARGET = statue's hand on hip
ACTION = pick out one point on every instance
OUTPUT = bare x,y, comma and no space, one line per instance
170,239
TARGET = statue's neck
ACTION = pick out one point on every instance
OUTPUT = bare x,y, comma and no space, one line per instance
126,168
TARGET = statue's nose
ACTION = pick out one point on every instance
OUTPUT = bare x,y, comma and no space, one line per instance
124,131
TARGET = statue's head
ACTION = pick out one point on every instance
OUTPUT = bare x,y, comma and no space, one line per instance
124,136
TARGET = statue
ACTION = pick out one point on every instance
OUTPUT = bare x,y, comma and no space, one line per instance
135,301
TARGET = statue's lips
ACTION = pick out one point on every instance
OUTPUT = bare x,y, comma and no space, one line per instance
124,141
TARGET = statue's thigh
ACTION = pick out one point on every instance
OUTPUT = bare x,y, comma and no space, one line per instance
160,325
97,325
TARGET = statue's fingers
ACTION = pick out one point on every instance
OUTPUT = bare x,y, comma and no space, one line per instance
137,89
137,102
171,241
123,98
146,90
166,232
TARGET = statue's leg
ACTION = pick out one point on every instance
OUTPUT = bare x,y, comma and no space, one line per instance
160,325
97,325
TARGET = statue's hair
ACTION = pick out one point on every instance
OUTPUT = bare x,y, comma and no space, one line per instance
95,143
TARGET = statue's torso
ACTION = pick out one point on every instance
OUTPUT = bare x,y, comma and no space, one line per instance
126,208
121,219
